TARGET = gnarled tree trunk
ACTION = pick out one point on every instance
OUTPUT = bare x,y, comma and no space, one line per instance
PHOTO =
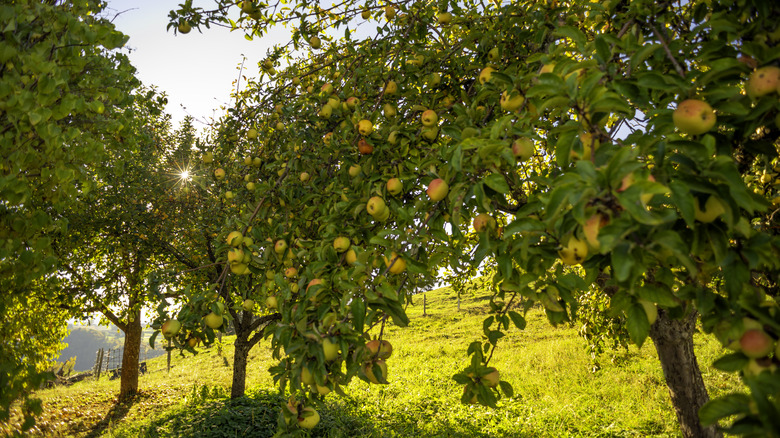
129,382
239,364
673,339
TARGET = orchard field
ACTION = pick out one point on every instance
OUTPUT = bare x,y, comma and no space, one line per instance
610,167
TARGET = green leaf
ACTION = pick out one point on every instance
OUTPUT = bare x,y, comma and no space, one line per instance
637,324
506,388
496,182
726,406
358,308
731,362
622,262
517,319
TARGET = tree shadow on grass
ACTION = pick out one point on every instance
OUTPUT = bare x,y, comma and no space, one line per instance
117,412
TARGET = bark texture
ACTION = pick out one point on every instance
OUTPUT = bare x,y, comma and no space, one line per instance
673,339
239,365
129,382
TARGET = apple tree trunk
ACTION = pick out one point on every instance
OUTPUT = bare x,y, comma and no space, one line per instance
132,350
673,339
239,363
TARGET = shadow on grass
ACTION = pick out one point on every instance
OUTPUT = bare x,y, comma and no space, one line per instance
117,412
256,415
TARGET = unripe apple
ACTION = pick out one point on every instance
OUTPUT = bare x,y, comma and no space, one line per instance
213,320
392,138
763,81
308,418
755,343
376,206
353,102
394,186
351,256
492,378
354,170
271,302
315,42
366,14
326,112
247,6
430,133
429,118
365,127
574,252
304,176
208,158
694,117
250,186
256,162
247,162
184,27
381,349
591,230
170,328
235,255
290,272
229,195
219,173
437,190
523,148
341,244
390,88
280,246
713,208
397,262
235,238
511,101
251,133
330,349
368,370
389,110
389,12
434,79
493,54
444,18
306,377
485,74
239,268
248,304
484,222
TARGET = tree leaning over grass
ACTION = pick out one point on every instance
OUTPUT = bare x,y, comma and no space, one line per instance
63,91
550,130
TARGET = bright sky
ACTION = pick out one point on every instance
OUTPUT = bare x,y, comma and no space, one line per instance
196,70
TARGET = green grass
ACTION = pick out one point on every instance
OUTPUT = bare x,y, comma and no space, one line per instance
556,394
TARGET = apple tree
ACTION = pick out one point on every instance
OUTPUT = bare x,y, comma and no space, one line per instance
63,92
626,148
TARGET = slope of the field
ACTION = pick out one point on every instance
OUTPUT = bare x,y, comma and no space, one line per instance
556,394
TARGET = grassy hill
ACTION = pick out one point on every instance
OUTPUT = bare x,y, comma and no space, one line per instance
556,394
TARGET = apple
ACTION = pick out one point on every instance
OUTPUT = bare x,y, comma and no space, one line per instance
315,42
429,118
351,256
235,238
213,320
366,14
280,246
248,241
235,255
341,244
327,89
271,302
326,112
330,349
306,377
352,102
389,12
251,133
755,343
256,162
184,27
304,176
713,208
354,170
219,173
434,79
322,390
229,195
444,18
491,379
279,126
763,81
473,397
170,328
193,341
248,304
365,127
208,158
376,206
368,370
394,186
694,117
523,148
308,418
381,349
591,229
391,88
389,110
650,310
290,272
397,262
250,186
574,252
493,54
239,268
430,133
485,74
629,180
247,6
511,101
484,222
364,147
437,190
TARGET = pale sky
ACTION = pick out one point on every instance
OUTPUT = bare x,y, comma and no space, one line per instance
196,70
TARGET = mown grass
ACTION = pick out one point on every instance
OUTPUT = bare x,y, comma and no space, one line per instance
556,394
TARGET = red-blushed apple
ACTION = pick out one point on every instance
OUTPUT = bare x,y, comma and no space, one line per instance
368,370
591,229
396,263
290,272
341,244
755,343
523,149
437,190
763,81
352,102
235,255
280,247
170,328
364,147
484,222
382,349
429,118
694,117
574,252
394,186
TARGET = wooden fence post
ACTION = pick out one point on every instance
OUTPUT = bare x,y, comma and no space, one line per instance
425,304
98,364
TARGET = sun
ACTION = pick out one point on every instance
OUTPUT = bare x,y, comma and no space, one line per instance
185,175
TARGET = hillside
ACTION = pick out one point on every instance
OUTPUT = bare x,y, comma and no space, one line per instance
84,341
555,393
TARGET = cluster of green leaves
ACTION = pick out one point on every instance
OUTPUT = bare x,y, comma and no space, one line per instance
600,117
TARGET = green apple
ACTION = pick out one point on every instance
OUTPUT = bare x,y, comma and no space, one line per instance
170,328
235,255
484,222
341,244
430,133
376,206
351,256
437,190
354,170
250,186
184,27
327,89
308,418
574,252
239,268
694,117
713,208
381,349
306,377
248,304
394,186
444,18
434,79
208,158
229,195
485,74
304,176
235,238
390,12
330,349
396,263
523,148
271,302
391,88
315,42
280,247
389,110
763,81
392,138
213,320
251,133
219,173
366,14
511,101
368,370
429,118
365,127
256,162
492,378
247,6
326,111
